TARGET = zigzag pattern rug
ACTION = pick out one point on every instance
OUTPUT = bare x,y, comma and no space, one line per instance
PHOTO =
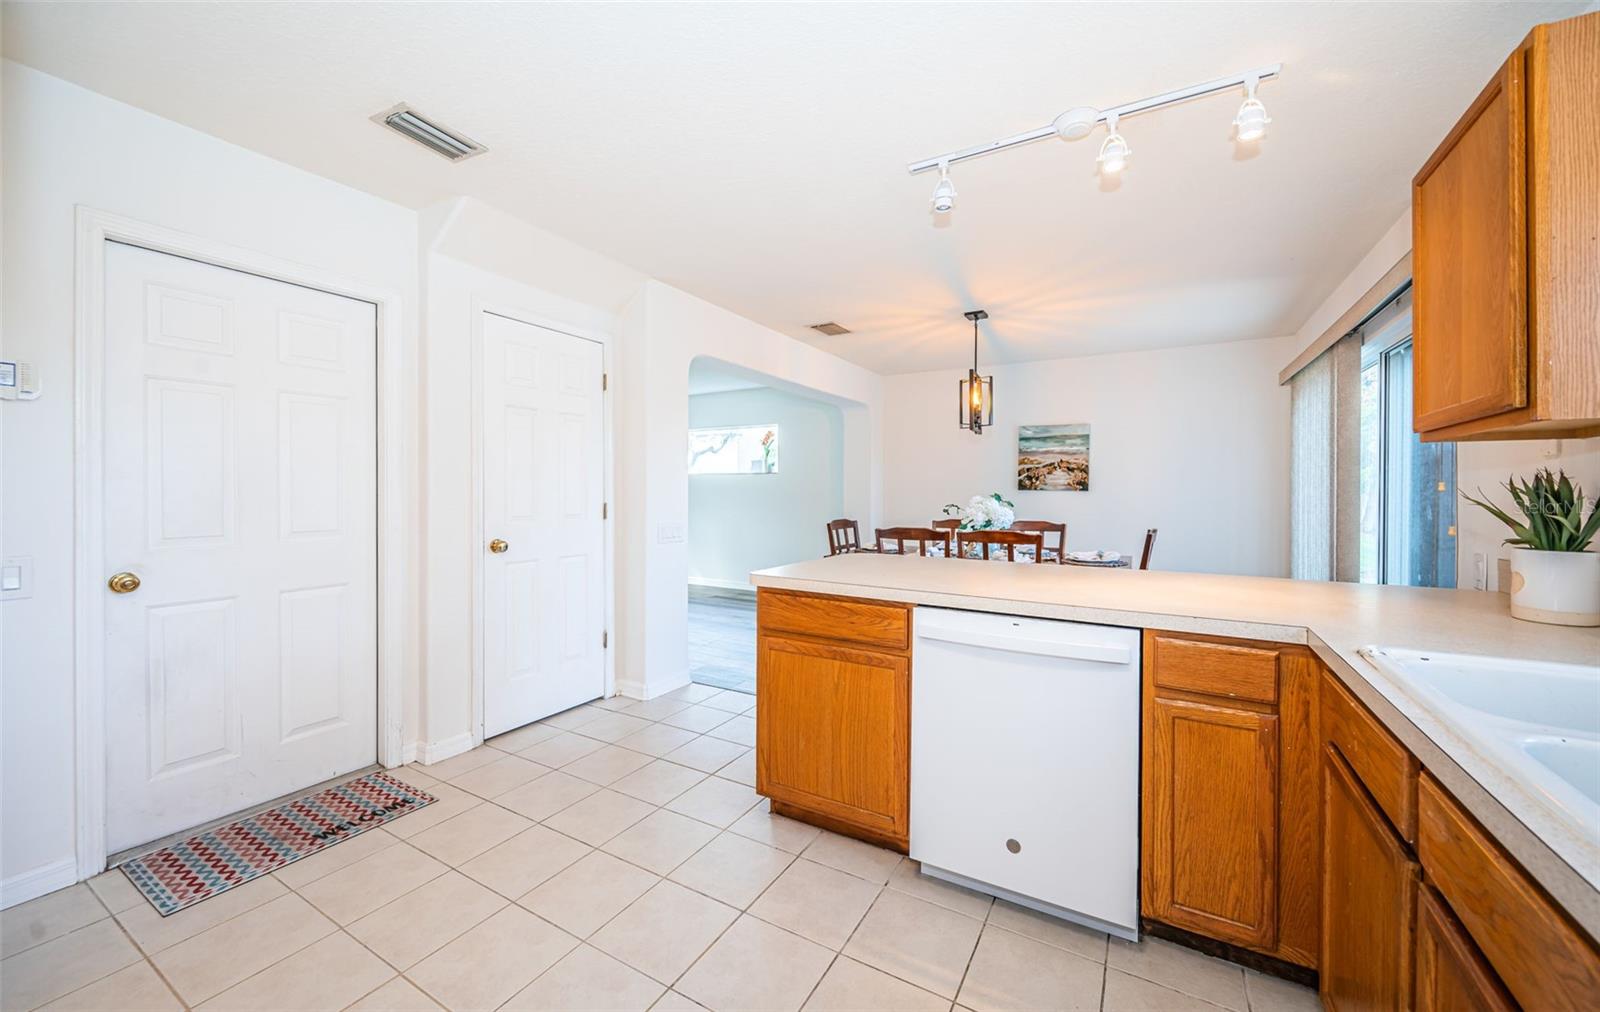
213,862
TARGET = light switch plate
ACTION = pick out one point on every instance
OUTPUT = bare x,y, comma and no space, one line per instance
669,534
17,570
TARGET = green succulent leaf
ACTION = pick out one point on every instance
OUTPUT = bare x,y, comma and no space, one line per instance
1552,509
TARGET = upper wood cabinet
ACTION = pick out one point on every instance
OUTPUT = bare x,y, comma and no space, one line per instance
833,717
1229,777
1506,250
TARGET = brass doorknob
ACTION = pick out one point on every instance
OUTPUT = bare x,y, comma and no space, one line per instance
497,546
123,583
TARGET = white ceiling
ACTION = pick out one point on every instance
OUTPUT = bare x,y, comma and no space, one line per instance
755,154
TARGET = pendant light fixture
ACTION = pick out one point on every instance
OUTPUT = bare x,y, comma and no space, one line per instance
976,393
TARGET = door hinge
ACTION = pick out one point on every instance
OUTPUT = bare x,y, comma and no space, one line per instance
605,511
604,381
605,640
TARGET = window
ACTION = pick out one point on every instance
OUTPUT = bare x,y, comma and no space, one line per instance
1408,487
748,449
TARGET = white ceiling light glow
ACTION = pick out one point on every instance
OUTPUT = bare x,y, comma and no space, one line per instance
944,195
1114,151
1077,123
1251,122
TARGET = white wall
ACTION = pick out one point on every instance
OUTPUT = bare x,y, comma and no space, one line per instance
1478,464
1192,441
743,522
66,146
662,331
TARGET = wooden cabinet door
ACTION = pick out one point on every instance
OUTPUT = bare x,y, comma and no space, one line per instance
1369,889
1452,975
1211,820
1470,262
842,747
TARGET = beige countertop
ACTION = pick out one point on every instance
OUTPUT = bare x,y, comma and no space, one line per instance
1334,619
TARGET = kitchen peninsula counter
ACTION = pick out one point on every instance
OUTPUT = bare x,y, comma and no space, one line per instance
1334,620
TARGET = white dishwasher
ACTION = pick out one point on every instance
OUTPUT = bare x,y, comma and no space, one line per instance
1025,762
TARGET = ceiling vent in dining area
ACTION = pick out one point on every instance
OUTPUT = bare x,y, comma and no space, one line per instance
452,144
830,328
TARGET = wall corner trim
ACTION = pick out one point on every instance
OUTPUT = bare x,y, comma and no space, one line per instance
46,878
430,752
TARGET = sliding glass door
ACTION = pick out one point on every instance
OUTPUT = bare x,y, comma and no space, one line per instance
1408,487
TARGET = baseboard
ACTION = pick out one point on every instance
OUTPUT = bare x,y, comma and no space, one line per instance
629,688
408,753
33,884
709,581
430,752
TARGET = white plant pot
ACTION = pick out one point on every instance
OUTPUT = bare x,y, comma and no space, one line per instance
1560,588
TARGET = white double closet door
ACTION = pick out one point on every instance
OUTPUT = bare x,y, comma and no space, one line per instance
241,490
543,489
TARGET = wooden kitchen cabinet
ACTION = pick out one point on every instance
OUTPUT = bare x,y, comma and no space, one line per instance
1230,792
1368,899
1451,974
1505,250
833,717
1211,814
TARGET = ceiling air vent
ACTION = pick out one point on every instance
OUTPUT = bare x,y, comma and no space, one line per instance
830,328
453,145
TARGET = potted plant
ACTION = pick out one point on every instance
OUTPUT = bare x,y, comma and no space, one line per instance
1554,577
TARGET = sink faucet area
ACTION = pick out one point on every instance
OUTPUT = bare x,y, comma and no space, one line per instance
1539,720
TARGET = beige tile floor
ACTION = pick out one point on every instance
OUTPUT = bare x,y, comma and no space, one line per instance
612,857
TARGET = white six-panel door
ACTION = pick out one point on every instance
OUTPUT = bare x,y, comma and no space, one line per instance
543,482
240,450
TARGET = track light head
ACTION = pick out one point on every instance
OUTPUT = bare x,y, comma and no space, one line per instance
944,194
1250,124
1114,151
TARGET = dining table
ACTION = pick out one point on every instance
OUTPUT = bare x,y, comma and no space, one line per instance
1024,553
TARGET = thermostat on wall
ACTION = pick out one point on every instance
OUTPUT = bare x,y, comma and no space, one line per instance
19,381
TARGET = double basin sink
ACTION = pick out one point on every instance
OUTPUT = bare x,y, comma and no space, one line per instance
1539,721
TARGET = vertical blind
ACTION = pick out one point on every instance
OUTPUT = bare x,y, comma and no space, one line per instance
1325,473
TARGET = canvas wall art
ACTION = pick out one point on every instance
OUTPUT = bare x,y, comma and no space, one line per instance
1053,458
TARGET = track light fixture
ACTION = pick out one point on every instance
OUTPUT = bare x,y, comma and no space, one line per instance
1114,152
1249,125
1251,122
944,195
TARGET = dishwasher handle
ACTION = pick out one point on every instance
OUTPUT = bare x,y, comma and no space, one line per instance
1030,645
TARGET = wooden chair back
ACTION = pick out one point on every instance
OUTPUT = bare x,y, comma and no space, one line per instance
950,524
923,536
844,535
1058,553
1149,543
1011,539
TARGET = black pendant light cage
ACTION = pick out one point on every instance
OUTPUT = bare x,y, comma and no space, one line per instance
975,394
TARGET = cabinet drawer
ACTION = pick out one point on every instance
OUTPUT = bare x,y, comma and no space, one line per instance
848,620
1232,670
1386,768
1542,958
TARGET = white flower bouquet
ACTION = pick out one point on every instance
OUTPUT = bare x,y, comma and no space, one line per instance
984,513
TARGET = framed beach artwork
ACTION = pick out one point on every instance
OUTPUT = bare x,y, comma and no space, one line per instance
1053,458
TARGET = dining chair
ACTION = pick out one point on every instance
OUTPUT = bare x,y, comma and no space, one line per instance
1011,539
1043,527
844,537
923,536
1149,543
